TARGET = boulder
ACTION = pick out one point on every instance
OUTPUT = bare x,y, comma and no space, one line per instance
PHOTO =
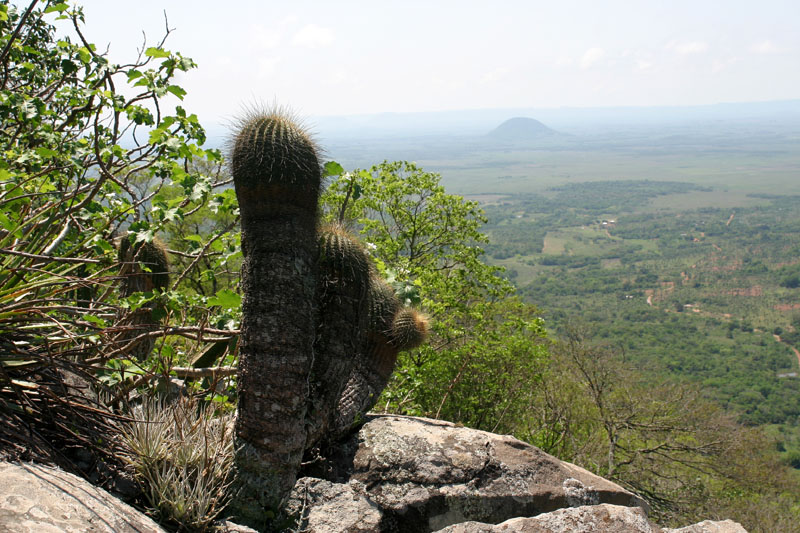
603,518
707,526
40,499
424,475
326,506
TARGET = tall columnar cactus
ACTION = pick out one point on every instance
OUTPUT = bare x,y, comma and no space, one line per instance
277,177
342,287
144,268
320,330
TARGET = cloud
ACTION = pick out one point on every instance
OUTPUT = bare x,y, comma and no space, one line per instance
765,47
721,64
643,64
494,75
262,38
591,57
313,36
564,61
688,48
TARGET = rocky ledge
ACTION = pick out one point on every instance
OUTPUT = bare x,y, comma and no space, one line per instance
397,474
406,474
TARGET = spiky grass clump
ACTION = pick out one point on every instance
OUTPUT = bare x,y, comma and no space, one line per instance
409,329
182,458
274,162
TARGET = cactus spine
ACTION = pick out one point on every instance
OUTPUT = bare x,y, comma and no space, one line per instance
277,178
409,329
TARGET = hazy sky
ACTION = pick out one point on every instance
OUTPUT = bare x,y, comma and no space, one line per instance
352,57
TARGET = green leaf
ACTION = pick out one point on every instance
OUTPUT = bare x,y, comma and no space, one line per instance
60,7
68,67
177,91
46,152
156,52
332,168
96,320
84,55
10,225
226,298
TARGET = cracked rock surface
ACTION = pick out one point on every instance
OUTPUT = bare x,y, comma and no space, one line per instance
40,499
424,475
603,518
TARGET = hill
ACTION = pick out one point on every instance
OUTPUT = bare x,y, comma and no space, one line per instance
521,129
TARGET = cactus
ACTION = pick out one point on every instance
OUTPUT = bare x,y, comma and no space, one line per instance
153,256
392,329
409,329
144,268
318,338
344,277
277,178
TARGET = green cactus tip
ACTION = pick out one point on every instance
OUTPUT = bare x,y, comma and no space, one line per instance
383,305
343,257
270,147
409,329
152,255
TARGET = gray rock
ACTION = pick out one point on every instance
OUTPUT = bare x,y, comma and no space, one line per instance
603,518
427,474
325,506
707,526
40,499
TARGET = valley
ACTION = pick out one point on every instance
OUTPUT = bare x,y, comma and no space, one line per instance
679,244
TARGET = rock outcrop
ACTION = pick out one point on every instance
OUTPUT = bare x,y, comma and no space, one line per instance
37,499
420,475
708,526
397,474
585,519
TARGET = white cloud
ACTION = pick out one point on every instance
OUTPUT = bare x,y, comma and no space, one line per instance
494,75
688,48
765,47
592,56
313,36
722,64
642,64
262,38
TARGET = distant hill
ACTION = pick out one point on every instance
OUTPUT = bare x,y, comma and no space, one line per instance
521,129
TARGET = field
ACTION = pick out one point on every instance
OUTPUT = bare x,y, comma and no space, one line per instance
682,249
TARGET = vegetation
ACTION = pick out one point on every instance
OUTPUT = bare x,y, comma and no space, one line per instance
183,457
120,254
486,349
86,169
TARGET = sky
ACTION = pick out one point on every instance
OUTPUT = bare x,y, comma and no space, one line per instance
346,57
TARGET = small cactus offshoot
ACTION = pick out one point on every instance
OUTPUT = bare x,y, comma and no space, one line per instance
342,257
409,329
